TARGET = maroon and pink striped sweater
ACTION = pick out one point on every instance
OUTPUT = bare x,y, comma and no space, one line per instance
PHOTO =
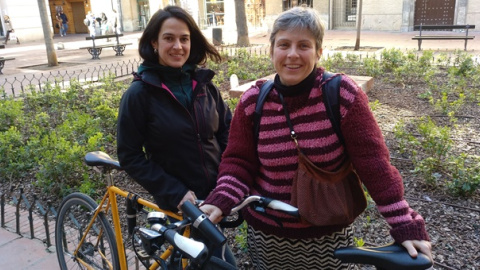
271,174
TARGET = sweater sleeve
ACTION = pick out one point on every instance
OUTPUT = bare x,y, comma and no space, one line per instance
131,133
369,154
239,164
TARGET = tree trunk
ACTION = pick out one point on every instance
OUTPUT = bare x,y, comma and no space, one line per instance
359,24
47,34
241,20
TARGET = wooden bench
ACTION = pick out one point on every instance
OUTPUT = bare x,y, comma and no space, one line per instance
96,50
422,27
2,62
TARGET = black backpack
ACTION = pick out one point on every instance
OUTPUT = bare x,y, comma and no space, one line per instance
331,97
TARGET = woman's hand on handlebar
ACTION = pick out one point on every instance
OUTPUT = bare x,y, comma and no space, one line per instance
189,196
214,213
423,246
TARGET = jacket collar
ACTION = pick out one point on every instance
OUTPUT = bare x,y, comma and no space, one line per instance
200,75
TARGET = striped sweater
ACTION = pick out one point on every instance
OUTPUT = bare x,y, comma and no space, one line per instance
271,173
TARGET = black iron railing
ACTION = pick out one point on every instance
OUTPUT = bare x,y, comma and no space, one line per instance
17,86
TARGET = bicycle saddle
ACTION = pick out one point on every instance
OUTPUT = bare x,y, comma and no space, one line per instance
99,158
391,257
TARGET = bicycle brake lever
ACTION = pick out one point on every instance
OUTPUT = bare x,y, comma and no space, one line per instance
260,208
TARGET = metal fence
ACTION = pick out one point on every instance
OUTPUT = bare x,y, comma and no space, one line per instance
17,209
16,86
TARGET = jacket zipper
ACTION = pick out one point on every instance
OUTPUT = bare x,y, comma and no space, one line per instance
199,139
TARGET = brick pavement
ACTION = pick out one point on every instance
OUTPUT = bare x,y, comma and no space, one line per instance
20,251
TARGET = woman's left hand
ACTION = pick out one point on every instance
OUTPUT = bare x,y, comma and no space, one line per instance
423,246
189,196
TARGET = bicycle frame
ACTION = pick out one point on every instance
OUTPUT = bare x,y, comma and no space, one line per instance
109,202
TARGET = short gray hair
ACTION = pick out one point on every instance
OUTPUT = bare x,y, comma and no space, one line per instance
299,18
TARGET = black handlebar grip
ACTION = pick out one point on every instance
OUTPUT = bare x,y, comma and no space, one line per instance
203,224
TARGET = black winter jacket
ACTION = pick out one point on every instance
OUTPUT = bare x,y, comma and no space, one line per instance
167,148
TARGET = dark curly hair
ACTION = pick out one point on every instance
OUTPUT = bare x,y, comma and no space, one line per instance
200,48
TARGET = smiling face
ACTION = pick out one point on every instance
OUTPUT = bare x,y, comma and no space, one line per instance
173,43
294,55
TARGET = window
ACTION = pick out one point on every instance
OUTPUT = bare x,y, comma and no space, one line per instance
351,10
288,4
215,12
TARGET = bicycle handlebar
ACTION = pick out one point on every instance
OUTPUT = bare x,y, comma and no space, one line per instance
193,249
262,202
392,256
203,224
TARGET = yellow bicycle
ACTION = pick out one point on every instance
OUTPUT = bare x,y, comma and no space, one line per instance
85,239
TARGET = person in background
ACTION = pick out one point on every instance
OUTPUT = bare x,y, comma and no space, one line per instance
90,22
104,23
59,23
172,122
9,28
114,22
64,18
268,166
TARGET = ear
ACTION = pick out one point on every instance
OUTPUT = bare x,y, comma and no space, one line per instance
154,44
319,53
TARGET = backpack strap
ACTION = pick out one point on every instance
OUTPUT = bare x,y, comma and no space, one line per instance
331,98
262,95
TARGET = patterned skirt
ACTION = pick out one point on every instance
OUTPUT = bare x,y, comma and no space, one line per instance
272,252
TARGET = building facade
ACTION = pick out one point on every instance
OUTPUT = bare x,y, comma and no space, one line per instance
133,15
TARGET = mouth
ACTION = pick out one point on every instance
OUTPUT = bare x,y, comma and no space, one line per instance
292,66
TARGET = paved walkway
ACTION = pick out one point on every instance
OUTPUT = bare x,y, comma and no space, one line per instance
21,252
29,55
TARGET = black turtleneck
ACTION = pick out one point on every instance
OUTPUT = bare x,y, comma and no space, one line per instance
294,90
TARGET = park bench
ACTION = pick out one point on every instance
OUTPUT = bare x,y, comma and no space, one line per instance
95,50
422,27
2,62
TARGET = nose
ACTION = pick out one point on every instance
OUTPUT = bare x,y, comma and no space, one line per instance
292,52
177,44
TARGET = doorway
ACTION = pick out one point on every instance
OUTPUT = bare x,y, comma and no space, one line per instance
436,12
78,12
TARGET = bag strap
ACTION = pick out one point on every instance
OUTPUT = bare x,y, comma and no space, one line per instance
331,98
262,95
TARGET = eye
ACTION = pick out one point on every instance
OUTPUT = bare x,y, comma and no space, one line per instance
185,39
305,46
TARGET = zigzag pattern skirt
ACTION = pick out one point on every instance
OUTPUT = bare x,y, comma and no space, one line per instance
272,252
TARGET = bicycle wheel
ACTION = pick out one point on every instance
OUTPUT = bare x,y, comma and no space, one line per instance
99,249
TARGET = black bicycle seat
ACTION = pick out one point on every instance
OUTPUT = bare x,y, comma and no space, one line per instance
391,257
99,158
